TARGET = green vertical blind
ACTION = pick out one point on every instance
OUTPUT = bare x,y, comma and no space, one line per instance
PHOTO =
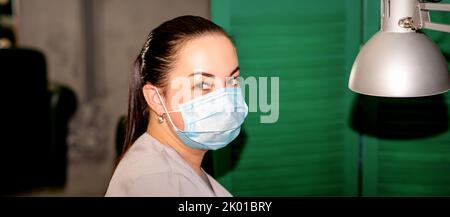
309,45
408,152
325,133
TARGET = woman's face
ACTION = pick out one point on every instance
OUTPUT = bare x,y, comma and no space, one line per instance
204,64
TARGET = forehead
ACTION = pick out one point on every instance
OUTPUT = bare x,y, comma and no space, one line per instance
212,53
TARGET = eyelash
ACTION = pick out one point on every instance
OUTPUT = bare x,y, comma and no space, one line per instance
235,81
200,86
209,86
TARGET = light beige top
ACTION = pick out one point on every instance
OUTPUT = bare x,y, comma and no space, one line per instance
150,168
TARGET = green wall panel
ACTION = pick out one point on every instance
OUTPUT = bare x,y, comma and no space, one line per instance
406,143
329,141
311,150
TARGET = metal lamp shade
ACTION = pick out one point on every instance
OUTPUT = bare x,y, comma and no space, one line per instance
399,64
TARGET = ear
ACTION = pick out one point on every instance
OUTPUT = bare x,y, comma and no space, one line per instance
153,101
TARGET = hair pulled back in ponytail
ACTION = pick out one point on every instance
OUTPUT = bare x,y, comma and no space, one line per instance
153,63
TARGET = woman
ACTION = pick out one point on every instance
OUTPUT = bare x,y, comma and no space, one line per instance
184,100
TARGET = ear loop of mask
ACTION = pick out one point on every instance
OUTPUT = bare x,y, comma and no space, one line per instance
166,111
170,119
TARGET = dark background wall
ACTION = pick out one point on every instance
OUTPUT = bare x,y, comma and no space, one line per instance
90,46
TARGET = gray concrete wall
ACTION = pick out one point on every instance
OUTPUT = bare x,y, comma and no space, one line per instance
90,47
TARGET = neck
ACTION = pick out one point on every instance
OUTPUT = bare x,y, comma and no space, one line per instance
163,133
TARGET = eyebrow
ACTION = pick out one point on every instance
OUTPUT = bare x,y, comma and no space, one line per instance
206,74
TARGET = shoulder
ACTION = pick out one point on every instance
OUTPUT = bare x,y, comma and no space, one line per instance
146,169
154,185
164,184
143,159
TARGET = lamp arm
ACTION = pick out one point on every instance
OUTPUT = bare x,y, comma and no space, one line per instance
435,6
424,16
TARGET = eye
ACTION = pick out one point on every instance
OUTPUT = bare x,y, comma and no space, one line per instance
203,86
233,82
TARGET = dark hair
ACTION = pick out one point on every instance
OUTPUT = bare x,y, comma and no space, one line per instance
153,63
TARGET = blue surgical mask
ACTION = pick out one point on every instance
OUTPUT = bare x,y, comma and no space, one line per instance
213,120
